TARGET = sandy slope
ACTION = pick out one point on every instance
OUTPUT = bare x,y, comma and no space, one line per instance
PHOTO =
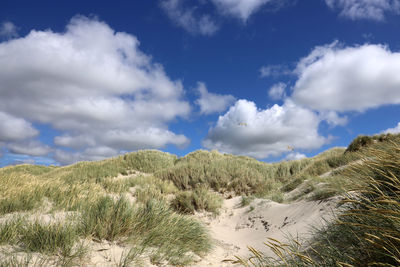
238,227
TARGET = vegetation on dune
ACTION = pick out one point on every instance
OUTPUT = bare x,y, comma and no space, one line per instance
365,141
365,233
200,199
154,226
240,175
88,189
142,199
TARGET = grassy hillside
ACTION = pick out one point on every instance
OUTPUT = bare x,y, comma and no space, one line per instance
143,200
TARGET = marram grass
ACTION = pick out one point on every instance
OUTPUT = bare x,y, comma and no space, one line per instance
154,225
366,233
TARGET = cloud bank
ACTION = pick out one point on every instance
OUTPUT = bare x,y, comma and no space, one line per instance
246,130
333,78
331,81
91,84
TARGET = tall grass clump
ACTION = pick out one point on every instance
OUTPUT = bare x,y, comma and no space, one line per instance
23,201
107,218
365,233
20,191
175,236
149,160
50,239
151,227
200,199
364,141
10,230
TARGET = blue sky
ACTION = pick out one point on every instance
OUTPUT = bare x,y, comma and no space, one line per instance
271,79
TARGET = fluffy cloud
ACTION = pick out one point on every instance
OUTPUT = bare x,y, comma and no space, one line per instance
8,30
242,9
394,130
365,9
333,78
15,129
333,118
93,85
246,130
31,148
212,103
277,91
187,18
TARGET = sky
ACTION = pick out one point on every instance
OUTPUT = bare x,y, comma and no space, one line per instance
270,79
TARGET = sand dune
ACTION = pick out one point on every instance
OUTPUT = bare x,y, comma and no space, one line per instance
238,227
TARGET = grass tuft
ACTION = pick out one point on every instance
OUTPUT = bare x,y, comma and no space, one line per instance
200,199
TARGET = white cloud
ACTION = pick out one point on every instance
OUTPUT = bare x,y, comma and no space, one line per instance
93,85
246,130
394,130
333,78
333,118
15,129
295,156
277,91
31,148
92,153
8,30
212,103
187,18
243,9
274,71
365,9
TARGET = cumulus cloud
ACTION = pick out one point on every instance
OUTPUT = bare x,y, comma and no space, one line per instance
188,19
212,103
8,30
335,78
15,129
394,130
91,153
274,71
246,130
277,91
31,148
93,85
243,9
333,118
365,9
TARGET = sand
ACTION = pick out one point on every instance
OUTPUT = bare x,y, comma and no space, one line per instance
238,227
